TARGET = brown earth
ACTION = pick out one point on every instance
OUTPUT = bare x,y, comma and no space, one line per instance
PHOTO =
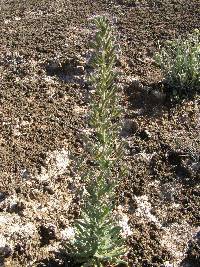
43,106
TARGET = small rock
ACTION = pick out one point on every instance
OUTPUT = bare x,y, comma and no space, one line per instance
145,135
2,196
18,190
20,248
25,174
49,190
47,233
17,207
45,183
168,264
61,94
5,248
80,70
133,149
130,127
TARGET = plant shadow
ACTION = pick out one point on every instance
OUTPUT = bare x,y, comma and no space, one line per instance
153,100
147,100
68,71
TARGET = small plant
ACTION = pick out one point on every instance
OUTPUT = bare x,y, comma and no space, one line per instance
98,240
180,63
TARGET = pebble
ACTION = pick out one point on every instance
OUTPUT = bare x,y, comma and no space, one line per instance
49,190
47,233
25,174
130,127
2,196
145,135
5,248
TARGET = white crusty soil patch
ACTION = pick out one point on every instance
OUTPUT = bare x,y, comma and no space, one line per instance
144,210
175,237
23,231
57,163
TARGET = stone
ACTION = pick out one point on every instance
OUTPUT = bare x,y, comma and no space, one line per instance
145,135
5,248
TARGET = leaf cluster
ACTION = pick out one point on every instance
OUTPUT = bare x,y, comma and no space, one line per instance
180,62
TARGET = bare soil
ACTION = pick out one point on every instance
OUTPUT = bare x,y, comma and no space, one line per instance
44,50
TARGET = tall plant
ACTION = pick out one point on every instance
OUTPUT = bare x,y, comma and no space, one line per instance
98,240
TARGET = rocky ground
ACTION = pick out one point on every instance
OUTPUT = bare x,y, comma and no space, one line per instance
44,50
